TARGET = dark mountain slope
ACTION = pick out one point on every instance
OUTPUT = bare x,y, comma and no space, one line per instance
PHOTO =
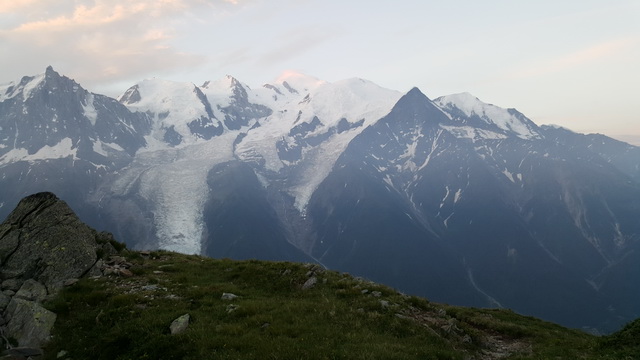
493,217
240,221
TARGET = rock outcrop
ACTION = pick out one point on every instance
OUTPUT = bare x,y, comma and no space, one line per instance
43,247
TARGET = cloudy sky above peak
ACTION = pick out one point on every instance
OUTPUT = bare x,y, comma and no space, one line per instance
573,63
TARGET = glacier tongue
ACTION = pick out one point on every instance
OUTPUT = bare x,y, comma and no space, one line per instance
175,181
177,211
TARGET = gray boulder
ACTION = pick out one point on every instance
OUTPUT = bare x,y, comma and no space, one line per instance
180,324
29,323
229,296
43,239
311,282
43,247
32,290
11,284
4,301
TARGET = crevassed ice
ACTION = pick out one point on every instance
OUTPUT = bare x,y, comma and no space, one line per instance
175,181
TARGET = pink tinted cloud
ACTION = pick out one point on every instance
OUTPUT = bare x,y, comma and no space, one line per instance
98,40
609,49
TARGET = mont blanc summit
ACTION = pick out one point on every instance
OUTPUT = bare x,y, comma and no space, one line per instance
454,199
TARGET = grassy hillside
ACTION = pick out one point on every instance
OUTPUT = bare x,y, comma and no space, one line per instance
279,314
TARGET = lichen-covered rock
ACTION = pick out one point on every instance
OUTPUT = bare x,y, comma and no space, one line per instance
43,239
32,290
43,247
29,323
180,324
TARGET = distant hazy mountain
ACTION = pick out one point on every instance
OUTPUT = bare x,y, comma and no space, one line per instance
457,200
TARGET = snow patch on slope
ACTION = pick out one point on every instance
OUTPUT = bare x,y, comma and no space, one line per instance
60,150
491,114
105,149
474,134
89,109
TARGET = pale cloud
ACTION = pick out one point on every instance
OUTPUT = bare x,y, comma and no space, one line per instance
13,5
102,12
295,43
99,41
234,57
605,50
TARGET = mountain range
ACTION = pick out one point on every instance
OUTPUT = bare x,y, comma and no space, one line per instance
454,199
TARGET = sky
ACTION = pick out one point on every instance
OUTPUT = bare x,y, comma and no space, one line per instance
574,63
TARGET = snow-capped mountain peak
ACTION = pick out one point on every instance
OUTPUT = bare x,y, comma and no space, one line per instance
466,107
50,116
298,83
164,92
26,85
219,92
181,112
223,85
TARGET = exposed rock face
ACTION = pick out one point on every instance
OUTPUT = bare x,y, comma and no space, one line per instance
42,239
43,246
32,290
30,324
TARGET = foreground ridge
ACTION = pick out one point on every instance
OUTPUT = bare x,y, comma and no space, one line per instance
254,309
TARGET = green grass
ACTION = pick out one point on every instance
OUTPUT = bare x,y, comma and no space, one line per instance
624,344
339,318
